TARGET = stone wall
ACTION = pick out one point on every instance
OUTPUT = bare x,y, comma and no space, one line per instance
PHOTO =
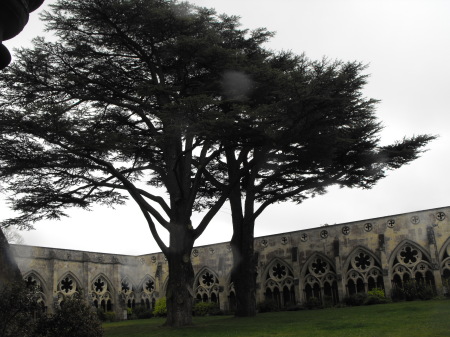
328,263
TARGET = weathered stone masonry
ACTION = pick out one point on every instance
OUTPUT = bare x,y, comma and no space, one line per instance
329,263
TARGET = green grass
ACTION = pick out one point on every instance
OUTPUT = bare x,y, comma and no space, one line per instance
409,319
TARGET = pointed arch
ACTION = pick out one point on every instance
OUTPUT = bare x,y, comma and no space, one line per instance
444,258
319,280
279,283
444,252
424,254
147,291
363,271
410,262
206,286
127,292
99,287
68,284
101,292
322,265
363,265
33,278
147,285
278,273
127,285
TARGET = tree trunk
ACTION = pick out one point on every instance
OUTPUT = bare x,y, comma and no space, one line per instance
179,293
244,273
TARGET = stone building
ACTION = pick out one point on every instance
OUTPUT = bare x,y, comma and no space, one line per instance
329,263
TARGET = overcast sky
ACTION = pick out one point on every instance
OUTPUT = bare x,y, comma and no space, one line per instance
406,45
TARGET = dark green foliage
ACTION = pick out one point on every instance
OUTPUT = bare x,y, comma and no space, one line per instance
313,303
21,315
74,319
141,312
206,309
356,299
108,316
101,314
413,290
376,296
18,307
268,306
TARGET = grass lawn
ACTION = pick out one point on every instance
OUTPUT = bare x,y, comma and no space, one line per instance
418,318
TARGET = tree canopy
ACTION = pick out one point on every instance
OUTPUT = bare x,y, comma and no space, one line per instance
312,128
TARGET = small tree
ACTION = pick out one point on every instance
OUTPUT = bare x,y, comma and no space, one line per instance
310,127
74,319
18,306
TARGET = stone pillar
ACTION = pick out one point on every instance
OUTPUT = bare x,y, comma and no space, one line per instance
117,287
223,298
387,274
54,281
340,274
86,279
434,253
296,271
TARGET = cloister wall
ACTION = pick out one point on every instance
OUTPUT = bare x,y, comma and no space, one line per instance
328,263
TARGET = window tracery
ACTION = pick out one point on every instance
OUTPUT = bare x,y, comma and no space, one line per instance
320,280
364,272
101,293
279,284
67,287
148,294
127,293
410,263
207,287
33,282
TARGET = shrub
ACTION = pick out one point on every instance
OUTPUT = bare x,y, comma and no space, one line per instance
356,299
18,305
141,312
425,291
110,316
376,296
446,287
74,319
101,314
20,316
313,303
412,290
268,306
328,302
206,308
160,309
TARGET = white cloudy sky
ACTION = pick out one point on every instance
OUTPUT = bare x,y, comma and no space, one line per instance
405,43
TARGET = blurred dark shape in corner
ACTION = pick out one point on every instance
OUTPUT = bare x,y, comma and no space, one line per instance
14,16
9,271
